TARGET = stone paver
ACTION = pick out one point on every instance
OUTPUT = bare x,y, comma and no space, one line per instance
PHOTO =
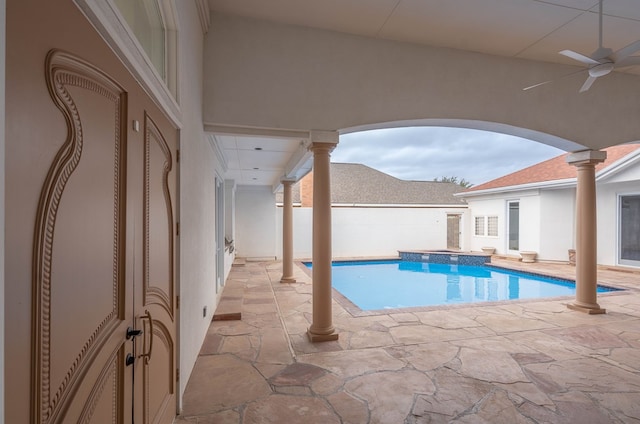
513,362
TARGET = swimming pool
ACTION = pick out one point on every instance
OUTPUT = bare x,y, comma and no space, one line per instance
374,285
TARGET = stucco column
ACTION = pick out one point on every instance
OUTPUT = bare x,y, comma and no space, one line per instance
586,237
321,329
287,234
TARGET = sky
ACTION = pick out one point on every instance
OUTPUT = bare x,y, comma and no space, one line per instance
426,153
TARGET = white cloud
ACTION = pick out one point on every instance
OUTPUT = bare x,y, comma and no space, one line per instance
425,153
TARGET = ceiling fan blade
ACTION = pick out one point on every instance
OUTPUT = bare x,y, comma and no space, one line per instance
547,82
627,51
587,84
536,85
628,61
579,57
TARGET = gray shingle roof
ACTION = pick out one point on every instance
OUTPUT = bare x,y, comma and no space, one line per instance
353,183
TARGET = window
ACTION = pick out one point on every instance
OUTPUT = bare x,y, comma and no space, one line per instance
145,20
514,225
486,226
492,226
629,227
479,220
144,34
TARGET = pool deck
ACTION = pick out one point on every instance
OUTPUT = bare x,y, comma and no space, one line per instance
508,362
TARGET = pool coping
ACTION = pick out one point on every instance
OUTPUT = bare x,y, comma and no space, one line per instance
356,312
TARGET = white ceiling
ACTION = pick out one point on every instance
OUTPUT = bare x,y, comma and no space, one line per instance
527,29
254,160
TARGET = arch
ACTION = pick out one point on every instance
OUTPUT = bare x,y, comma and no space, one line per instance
548,139
273,76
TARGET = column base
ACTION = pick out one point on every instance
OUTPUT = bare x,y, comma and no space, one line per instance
287,280
591,310
313,338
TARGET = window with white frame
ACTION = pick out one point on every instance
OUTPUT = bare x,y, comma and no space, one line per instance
144,34
492,226
486,226
479,225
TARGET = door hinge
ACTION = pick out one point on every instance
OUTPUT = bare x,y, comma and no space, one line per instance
177,302
177,155
177,374
177,228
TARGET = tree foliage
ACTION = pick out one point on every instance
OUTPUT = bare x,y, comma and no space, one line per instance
462,182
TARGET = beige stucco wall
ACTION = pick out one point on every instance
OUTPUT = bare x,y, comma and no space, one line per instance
268,75
197,197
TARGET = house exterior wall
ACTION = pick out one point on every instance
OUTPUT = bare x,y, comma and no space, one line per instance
557,224
256,222
490,206
496,205
529,221
198,168
372,232
547,219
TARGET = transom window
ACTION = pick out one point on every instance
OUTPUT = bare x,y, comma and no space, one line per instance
144,17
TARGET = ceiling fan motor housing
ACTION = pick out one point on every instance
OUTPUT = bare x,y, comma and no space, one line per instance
601,70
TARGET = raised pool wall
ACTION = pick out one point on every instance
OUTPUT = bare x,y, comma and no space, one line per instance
445,257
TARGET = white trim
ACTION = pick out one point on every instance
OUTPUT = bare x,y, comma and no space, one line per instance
400,205
618,165
603,174
204,14
556,184
222,159
109,23
508,225
258,131
619,260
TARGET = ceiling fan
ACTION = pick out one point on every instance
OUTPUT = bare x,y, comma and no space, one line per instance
602,61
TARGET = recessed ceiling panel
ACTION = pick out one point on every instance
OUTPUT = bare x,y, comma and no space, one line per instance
226,141
267,144
250,159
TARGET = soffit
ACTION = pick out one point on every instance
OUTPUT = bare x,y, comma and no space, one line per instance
252,160
529,29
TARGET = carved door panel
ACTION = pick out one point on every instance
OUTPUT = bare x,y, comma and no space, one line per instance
104,259
156,308
74,225
81,281
104,191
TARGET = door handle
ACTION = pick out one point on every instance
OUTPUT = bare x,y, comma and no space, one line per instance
147,355
131,333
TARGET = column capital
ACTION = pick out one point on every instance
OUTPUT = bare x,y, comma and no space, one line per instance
586,157
321,136
287,181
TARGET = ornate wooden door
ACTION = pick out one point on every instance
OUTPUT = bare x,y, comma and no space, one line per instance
90,223
156,310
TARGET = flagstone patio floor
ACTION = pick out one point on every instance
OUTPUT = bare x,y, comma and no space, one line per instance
508,362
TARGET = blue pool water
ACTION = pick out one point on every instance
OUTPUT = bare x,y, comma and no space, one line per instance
376,285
